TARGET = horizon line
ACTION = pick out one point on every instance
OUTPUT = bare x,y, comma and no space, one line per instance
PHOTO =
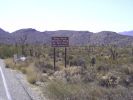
62,30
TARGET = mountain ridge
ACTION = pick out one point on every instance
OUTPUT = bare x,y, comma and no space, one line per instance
81,38
129,33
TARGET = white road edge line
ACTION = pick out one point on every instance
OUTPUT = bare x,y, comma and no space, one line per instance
5,85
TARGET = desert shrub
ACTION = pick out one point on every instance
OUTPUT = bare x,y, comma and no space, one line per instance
73,74
109,81
71,57
119,93
93,61
103,68
43,78
78,62
31,79
6,51
48,66
73,63
81,62
23,70
70,75
127,70
58,90
131,60
7,66
31,75
44,67
88,77
9,63
126,81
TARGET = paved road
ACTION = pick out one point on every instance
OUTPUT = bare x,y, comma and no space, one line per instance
2,90
10,87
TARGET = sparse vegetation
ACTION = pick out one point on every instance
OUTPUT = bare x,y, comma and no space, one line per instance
92,72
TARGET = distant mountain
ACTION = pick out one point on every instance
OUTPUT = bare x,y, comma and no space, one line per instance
75,37
32,36
108,37
5,37
130,33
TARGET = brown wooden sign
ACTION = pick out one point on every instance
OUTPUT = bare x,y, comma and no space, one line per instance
60,41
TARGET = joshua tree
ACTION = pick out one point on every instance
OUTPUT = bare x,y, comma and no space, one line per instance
22,41
113,52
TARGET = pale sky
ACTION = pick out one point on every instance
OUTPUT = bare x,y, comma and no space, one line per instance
90,15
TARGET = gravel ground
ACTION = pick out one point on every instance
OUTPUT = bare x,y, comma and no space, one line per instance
32,90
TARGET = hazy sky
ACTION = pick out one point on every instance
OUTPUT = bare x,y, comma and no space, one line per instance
91,15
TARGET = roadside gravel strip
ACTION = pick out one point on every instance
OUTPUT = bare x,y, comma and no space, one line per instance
15,87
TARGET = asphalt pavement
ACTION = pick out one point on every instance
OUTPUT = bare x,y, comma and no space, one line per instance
10,87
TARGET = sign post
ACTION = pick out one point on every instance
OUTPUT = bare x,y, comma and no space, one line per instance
60,42
54,59
65,56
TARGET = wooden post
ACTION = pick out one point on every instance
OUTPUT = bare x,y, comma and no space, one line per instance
132,51
65,56
54,59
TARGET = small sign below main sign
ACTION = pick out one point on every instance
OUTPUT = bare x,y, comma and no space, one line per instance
60,41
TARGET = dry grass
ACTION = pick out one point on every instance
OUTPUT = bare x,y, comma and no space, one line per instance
58,90
9,63
27,68
31,75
